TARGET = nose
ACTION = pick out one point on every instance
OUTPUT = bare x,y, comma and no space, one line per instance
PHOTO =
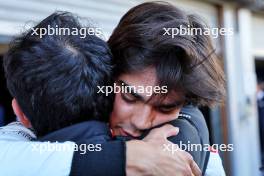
143,118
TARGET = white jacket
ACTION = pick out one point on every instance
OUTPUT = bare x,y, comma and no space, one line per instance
21,157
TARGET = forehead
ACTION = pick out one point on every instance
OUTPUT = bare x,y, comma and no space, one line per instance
147,77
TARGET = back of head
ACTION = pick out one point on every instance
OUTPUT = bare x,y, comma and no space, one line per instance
54,78
182,62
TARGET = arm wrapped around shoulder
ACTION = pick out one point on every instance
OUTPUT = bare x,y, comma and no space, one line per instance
193,136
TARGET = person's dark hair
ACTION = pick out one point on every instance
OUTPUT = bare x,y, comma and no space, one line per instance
54,78
185,62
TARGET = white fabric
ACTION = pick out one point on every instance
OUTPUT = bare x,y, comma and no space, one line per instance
21,157
15,131
215,166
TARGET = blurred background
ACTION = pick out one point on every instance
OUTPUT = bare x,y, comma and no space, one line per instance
239,121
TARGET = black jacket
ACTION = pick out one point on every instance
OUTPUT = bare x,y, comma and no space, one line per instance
109,161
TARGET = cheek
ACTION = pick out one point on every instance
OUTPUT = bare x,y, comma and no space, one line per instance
121,111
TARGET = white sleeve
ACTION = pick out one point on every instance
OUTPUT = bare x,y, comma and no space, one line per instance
214,166
35,158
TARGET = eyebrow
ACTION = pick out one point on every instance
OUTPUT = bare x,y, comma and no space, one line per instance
133,92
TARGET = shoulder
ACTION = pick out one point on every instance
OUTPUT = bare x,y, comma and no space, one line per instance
193,114
87,132
29,158
195,117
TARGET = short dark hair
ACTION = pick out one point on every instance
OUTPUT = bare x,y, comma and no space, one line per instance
185,62
54,79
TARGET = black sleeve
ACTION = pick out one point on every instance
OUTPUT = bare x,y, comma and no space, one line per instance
110,161
192,140
196,119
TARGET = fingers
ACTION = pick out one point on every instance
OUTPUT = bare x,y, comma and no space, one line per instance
189,167
169,130
193,166
162,133
195,169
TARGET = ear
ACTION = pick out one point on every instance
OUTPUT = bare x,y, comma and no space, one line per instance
20,115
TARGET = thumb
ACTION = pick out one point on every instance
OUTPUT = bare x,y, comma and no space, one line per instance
169,130
162,133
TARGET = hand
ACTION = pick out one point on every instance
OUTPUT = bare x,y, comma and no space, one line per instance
148,157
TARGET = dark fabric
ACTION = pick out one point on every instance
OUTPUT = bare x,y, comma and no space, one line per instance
90,132
261,127
207,157
109,161
198,122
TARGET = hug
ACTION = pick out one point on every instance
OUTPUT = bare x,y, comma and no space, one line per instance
54,84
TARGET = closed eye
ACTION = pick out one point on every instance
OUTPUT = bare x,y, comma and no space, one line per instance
169,108
129,98
166,110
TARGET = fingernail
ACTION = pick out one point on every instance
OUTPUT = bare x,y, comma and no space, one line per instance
177,129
